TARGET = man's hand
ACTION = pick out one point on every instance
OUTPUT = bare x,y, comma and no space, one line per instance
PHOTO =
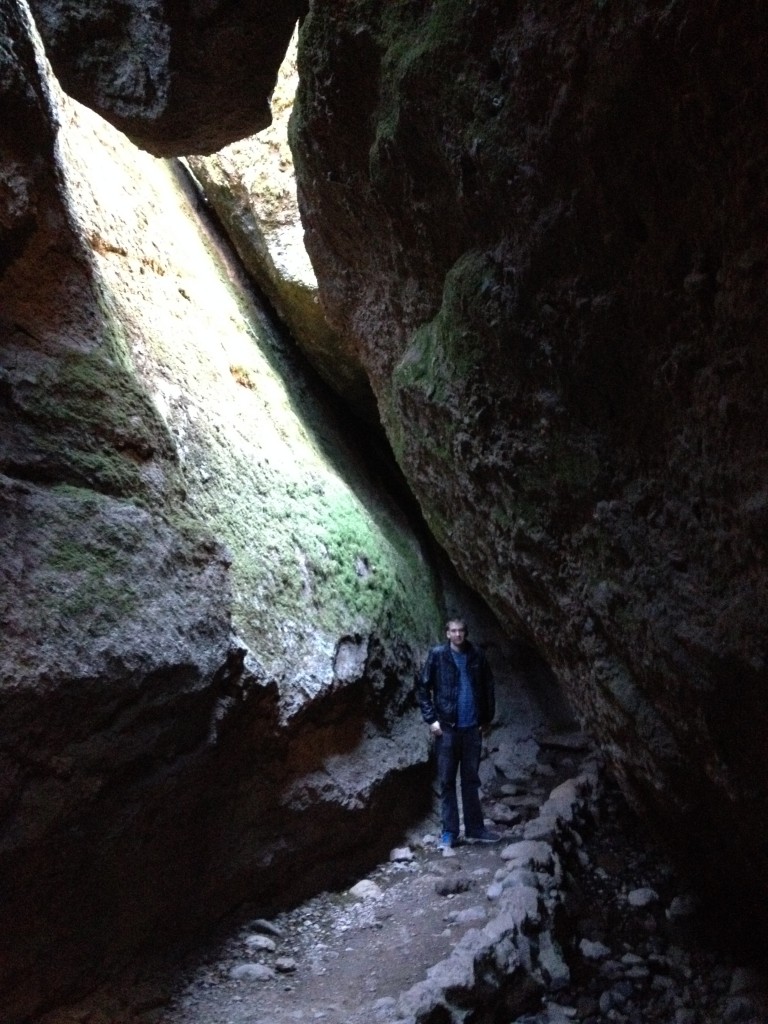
435,729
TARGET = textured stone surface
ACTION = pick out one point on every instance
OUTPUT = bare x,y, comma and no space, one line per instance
176,77
545,229
252,187
208,617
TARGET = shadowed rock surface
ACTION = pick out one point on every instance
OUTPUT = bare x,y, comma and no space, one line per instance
211,607
175,77
545,227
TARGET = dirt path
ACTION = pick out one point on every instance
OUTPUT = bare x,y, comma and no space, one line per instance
344,958
354,952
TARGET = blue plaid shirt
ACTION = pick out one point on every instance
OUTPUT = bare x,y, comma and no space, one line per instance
466,712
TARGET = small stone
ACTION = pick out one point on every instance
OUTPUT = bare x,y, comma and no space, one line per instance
642,897
502,814
252,972
366,890
556,1013
472,915
682,907
529,853
638,972
516,877
401,853
552,964
606,1001
285,965
260,944
510,789
593,950
266,927
631,959
494,890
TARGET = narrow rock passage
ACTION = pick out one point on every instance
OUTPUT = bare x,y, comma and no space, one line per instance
350,955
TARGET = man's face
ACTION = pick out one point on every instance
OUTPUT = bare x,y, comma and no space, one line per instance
456,633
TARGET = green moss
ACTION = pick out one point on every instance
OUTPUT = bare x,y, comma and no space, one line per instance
97,573
314,555
447,358
94,424
305,550
412,35
446,354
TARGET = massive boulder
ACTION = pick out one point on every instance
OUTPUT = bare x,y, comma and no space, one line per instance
175,77
211,611
544,227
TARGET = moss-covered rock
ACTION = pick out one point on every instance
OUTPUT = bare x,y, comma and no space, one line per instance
211,611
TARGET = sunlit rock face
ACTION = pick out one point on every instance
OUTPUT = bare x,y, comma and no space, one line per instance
175,77
545,228
252,187
210,614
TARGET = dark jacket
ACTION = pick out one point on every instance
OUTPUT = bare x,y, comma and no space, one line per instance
438,686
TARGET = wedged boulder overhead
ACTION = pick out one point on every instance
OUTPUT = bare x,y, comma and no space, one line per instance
175,77
545,228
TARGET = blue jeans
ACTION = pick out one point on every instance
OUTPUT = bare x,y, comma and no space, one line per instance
458,750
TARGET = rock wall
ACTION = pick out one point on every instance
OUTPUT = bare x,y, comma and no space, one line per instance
251,185
210,609
545,228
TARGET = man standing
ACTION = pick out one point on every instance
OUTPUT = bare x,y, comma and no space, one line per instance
456,696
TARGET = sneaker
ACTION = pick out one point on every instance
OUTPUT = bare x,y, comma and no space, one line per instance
447,840
486,836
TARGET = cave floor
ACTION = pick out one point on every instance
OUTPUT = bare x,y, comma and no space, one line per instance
354,955
345,957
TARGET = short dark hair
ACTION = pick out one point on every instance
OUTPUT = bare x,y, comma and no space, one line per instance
458,620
